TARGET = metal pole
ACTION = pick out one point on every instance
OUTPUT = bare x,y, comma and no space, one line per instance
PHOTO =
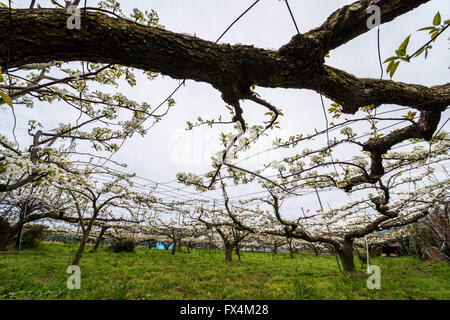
367,253
21,228
212,229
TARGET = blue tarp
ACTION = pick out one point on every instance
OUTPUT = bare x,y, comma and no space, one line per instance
160,246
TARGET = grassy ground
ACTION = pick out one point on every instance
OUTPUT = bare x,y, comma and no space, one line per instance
155,274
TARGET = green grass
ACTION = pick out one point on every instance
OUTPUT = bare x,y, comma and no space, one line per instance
155,274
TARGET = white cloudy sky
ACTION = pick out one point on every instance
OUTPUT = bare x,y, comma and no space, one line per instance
169,149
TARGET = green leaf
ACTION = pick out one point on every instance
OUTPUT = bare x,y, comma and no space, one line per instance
410,115
426,28
394,68
390,59
437,19
390,66
6,98
404,44
400,53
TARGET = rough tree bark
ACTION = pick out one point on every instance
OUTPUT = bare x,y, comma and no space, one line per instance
174,247
41,35
346,254
228,252
274,250
238,251
84,240
291,249
5,231
100,238
79,253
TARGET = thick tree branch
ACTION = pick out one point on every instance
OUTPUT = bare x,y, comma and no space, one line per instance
353,93
42,36
350,21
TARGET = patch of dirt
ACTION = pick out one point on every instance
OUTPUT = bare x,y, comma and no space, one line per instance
180,289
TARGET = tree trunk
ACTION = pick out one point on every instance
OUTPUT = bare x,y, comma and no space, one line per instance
84,240
18,239
274,251
100,238
166,245
291,251
238,252
174,247
5,230
228,253
80,251
346,255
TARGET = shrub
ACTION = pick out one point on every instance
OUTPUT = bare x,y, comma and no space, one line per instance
32,236
123,245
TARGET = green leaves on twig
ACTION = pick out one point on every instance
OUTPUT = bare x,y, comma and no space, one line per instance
435,30
336,110
401,55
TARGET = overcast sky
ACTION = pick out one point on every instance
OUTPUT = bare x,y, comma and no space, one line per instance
169,149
